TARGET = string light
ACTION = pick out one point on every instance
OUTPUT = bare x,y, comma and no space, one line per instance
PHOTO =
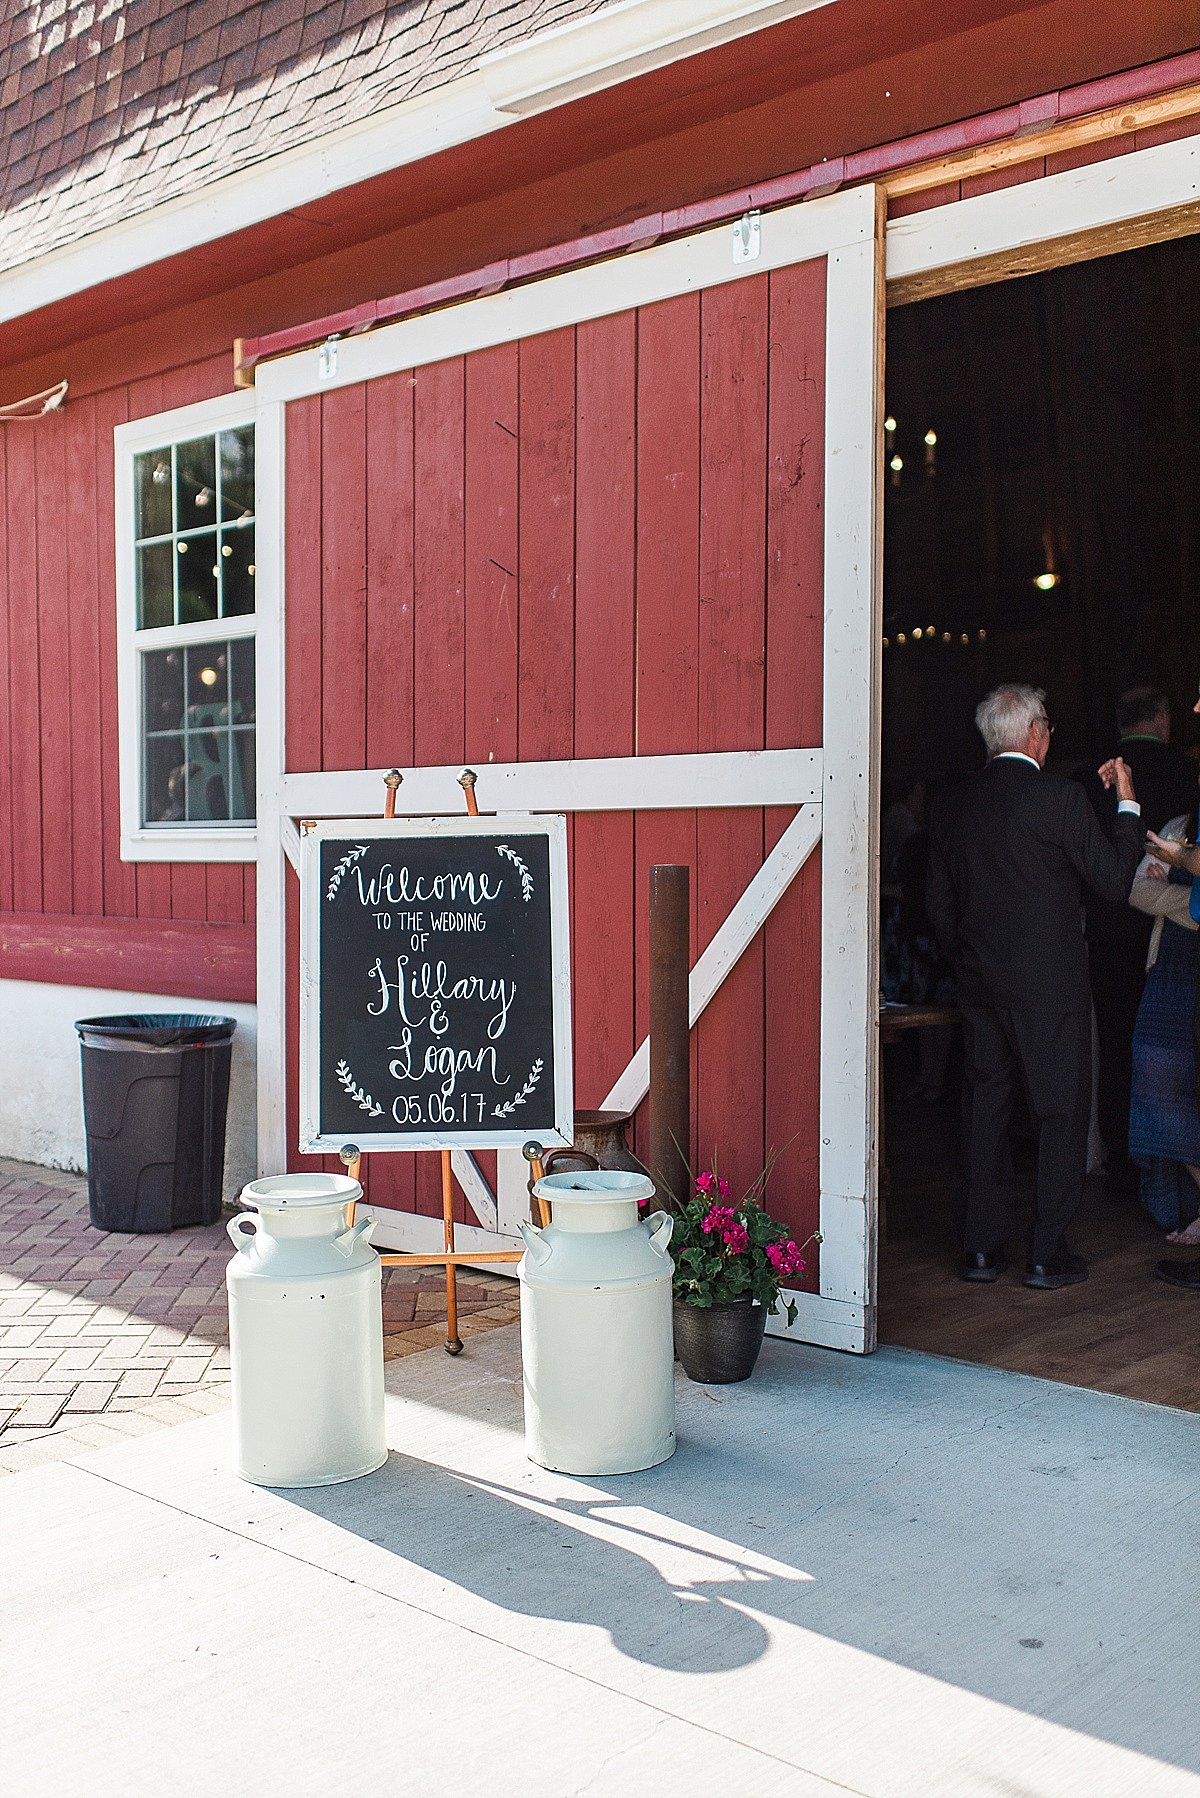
208,676
1045,583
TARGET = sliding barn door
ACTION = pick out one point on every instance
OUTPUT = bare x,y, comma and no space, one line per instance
611,539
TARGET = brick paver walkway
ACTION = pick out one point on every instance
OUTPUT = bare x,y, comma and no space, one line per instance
104,1336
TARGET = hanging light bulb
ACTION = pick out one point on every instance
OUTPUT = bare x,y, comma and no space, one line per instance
1050,577
901,638
203,498
931,452
161,475
208,677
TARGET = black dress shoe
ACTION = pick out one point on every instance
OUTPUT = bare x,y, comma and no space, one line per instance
981,1267
1062,1269
1180,1273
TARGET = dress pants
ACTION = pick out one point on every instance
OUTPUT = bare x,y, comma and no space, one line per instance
1118,974
1048,1056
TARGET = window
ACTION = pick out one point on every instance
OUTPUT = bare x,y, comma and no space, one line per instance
186,617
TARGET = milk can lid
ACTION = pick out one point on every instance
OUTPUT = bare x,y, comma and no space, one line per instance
594,1187
296,1192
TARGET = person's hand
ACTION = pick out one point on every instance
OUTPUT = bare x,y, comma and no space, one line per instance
1115,773
1175,855
1156,871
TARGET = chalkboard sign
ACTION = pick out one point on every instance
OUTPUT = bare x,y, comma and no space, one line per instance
435,1000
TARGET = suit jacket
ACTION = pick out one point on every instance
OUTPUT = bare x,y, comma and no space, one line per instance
1164,780
1012,850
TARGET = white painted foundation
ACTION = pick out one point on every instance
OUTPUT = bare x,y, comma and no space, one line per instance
41,1093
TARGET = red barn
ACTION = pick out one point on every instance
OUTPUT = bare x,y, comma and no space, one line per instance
501,385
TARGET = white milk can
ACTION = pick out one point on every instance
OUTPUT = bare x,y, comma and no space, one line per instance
305,1334
596,1337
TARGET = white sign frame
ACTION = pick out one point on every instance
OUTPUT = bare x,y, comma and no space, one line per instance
551,827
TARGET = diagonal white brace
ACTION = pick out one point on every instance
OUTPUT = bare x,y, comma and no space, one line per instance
735,935
476,1189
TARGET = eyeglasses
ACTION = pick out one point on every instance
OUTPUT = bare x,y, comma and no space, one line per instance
1042,719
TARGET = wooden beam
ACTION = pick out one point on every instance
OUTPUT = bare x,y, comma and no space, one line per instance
1052,140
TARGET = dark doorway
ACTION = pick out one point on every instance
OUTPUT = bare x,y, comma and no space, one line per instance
1041,524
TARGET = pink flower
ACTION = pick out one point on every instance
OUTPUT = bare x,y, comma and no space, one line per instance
785,1257
707,1183
719,1217
736,1239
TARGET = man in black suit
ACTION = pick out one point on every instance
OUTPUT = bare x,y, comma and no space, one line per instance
1118,936
1012,850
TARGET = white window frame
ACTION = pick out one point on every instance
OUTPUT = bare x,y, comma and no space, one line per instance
176,842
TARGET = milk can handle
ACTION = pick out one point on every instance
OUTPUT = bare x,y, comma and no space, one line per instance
538,1248
241,1238
356,1233
660,1225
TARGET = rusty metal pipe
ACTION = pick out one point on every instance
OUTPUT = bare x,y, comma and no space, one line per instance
670,1060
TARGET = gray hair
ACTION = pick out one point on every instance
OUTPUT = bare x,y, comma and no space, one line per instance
1005,718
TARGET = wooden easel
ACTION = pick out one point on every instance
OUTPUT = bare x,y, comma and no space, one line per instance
351,1154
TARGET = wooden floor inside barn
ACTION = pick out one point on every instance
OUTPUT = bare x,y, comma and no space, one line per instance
1121,1331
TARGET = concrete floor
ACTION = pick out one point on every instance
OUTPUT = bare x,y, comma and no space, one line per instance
901,1577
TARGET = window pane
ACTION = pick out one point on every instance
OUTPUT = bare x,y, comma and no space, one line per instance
237,473
197,562
207,686
241,798
196,483
237,570
241,661
152,487
208,777
166,786
162,690
156,595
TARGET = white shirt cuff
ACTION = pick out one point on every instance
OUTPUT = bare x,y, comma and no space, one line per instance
1131,806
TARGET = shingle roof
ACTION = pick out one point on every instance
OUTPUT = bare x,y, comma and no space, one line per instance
110,107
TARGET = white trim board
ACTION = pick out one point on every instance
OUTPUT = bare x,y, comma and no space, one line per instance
619,43
604,784
799,233
1162,180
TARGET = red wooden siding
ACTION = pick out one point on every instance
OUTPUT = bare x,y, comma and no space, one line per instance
70,910
598,542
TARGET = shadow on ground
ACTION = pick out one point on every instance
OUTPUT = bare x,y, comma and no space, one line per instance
998,1534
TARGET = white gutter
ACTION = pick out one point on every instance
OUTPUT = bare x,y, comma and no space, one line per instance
613,45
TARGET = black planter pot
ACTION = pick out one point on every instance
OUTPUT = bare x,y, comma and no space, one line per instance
719,1345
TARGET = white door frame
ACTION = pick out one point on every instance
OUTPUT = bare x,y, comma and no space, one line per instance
833,785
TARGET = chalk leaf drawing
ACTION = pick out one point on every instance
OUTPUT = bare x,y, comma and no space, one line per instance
510,1105
526,877
347,861
363,1100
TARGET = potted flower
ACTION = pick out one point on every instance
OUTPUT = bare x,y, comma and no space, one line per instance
730,1261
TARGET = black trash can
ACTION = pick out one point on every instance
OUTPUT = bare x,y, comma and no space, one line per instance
155,1089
